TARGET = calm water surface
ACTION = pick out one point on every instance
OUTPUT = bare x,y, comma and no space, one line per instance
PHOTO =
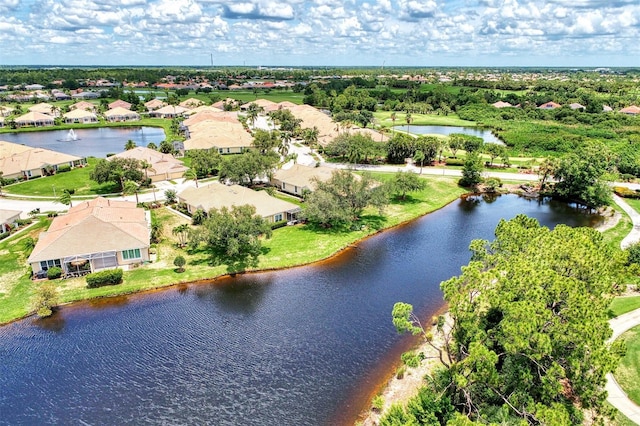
305,346
487,135
91,142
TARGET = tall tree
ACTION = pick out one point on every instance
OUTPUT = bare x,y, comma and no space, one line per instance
404,182
191,174
130,187
471,171
116,170
129,145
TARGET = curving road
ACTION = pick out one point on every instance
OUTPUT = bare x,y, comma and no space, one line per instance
617,397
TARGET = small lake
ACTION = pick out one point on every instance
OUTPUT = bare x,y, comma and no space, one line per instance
97,142
305,346
487,135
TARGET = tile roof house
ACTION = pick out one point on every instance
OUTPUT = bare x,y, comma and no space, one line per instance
226,137
576,105
20,161
217,195
87,106
154,104
6,111
80,116
45,108
94,235
631,110
120,103
299,179
121,114
163,166
8,219
501,104
549,105
35,119
169,111
191,103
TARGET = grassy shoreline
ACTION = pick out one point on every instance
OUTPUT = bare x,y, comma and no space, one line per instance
291,246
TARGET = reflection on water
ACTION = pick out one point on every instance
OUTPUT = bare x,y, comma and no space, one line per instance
305,346
487,135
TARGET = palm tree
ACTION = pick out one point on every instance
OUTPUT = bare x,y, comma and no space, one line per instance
182,233
393,121
408,119
190,174
283,148
419,157
146,166
65,198
129,145
130,187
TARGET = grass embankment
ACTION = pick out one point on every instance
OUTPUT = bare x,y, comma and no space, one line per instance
289,246
77,179
628,372
622,305
384,119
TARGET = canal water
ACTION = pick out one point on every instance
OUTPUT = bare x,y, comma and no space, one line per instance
88,142
487,135
305,346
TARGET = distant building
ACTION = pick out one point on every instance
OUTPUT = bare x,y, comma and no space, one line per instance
631,110
550,105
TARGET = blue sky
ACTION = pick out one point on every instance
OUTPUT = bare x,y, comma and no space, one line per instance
574,33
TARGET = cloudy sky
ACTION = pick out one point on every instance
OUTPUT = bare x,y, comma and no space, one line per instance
321,32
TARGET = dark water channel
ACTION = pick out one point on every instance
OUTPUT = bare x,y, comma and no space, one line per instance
96,142
306,346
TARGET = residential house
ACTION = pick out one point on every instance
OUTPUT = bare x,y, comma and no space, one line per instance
35,119
86,95
217,196
606,108
24,162
161,166
191,103
154,104
299,179
265,104
33,87
225,137
631,110
45,108
120,104
169,111
80,116
87,106
501,104
576,105
549,105
8,219
121,114
6,111
94,235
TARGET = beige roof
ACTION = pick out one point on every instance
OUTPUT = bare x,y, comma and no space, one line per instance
220,104
79,114
228,116
120,111
217,195
501,104
312,117
154,104
34,117
219,134
16,158
119,104
42,107
303,176
9,215
93,226
286,104
171,109
267,105
160,163
631,110
82,105
191,103
6,110
203,108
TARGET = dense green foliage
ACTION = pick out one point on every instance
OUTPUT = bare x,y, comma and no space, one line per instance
530,326
341,199
471,171
45,299
404,182
117,170
245,168
54,273
107,277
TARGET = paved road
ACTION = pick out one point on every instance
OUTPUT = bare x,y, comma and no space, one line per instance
617,397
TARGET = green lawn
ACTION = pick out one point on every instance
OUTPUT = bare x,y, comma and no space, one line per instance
384,118
622,305
77,179
289,246
628,372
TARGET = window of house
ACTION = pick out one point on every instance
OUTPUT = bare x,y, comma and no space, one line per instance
131,254
278,217
46,264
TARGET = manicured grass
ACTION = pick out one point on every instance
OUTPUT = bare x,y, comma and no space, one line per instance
622,305
384,118
77,179
615,235
289,246
628,372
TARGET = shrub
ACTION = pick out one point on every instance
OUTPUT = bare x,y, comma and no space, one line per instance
54,273
63,168
634,254
378,403
102,278
454,162
4,235
45,298
412,359
179,262
279,224
71,191
624,192
400,372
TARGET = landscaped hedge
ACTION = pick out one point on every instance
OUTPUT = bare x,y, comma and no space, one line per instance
54,273
454,162
63,168
625,192
102,278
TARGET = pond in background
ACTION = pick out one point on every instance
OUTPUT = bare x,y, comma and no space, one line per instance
96,142
487,135
304,346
